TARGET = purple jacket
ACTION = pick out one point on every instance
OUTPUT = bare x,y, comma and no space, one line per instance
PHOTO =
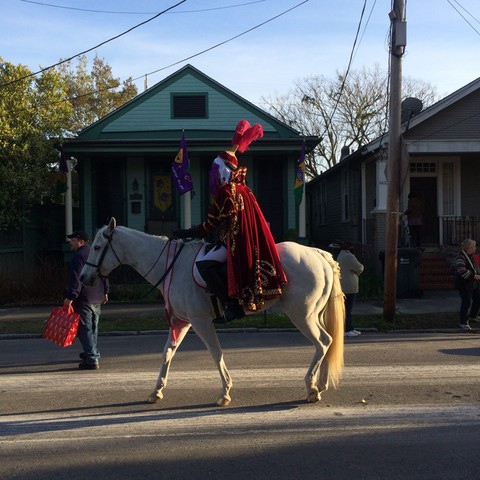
76,290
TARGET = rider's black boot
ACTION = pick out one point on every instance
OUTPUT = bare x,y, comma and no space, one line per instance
215,275
232,310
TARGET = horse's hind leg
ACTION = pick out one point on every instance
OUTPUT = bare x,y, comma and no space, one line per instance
169,351
316,378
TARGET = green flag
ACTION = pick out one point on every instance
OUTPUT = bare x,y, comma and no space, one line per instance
300,177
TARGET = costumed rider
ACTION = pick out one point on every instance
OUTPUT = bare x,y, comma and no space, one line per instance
243,269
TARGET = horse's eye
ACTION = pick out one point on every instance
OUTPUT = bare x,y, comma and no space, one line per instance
96,247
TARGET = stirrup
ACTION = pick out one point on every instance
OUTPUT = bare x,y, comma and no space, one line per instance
232,312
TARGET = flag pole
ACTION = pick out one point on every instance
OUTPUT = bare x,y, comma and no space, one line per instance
187,210
302,223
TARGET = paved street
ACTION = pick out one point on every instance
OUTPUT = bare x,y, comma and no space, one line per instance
408,407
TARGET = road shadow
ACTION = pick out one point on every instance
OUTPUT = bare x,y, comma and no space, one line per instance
471,352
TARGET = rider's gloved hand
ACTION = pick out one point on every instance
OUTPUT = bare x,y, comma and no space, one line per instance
193,232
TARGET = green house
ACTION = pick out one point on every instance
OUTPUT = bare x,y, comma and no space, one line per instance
124,159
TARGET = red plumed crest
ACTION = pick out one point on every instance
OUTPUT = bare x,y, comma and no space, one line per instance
239,131
249,136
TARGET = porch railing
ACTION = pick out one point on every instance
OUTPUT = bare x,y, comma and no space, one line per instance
456,229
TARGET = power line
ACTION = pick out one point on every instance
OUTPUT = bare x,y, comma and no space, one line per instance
43,4
463,8
185,59
224,42
93,48
344,80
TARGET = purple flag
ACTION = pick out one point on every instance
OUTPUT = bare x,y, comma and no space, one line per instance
181,177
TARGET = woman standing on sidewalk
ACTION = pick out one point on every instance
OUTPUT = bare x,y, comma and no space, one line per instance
350,269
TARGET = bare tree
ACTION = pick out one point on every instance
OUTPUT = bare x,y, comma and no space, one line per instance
345,111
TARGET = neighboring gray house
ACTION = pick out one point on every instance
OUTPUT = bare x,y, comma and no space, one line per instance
124,159
442,144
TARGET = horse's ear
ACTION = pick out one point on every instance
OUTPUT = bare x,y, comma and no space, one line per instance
112,224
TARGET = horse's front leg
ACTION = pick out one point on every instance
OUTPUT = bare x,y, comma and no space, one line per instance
207,333
169,351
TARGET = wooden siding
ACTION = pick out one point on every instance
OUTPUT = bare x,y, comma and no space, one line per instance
459,121
470,189
154,112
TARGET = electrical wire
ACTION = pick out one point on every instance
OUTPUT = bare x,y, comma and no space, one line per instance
224,42
191,56
344,80
463,8
43,4
93,48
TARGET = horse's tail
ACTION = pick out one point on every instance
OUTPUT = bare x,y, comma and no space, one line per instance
334,316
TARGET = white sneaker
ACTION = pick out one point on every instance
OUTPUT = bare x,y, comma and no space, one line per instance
358,332
352,333
465,326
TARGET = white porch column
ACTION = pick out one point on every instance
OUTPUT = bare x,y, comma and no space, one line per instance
68,201
381,186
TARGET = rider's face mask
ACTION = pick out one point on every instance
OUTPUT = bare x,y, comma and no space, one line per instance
219,175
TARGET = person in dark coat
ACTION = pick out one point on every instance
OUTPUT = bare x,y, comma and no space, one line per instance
467,282
85,300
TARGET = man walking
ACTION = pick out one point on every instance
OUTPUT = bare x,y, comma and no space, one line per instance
86,301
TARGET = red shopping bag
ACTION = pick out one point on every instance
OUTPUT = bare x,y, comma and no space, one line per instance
62,326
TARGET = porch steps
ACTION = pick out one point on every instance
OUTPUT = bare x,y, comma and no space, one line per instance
436,273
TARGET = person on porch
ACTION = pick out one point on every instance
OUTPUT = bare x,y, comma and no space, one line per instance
415,219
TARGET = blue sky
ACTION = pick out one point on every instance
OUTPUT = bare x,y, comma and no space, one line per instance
315,38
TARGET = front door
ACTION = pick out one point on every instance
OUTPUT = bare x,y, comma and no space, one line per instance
426,190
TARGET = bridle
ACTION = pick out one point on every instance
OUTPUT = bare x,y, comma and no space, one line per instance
109,244
104,252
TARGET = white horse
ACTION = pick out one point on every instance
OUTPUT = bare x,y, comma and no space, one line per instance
312,299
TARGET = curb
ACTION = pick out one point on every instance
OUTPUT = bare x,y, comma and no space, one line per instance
20,336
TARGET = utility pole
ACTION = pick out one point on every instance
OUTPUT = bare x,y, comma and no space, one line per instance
397,47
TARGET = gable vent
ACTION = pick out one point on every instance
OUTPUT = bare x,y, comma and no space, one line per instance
189,106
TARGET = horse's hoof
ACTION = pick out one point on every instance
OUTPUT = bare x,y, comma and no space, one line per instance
313,397
154,398
224,401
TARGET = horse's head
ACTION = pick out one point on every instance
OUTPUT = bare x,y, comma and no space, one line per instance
102,258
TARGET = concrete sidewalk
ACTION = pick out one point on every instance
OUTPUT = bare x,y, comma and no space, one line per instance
431,302
110,310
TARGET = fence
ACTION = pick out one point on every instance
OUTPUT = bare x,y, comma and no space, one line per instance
457,229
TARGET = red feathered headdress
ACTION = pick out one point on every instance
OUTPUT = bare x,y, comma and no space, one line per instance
243,137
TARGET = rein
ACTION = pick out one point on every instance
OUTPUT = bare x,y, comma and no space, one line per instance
168,270
110,245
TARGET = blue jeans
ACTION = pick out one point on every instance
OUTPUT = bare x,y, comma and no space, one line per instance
349,302
88,330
